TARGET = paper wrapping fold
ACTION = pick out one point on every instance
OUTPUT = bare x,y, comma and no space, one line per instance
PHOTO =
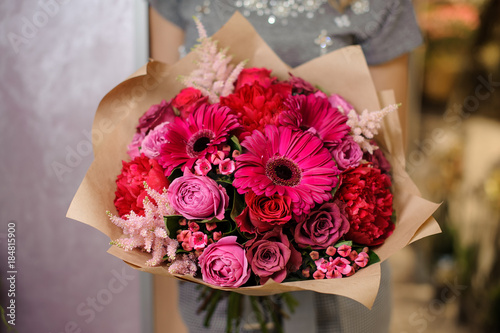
344,72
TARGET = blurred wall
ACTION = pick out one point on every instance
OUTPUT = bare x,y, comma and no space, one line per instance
58,58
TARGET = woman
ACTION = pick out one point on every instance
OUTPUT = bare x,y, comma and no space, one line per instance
385,29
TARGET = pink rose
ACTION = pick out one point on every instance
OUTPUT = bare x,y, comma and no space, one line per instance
272,257
198,197
133,147
224,263
157,114
347,154
151,145
250,75
339,102
322,227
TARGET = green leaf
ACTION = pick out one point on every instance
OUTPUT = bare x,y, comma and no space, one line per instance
372,257
234,143
290,301
334,191
257,310
176,173
212,305
233,311
172,224
238,204
339,244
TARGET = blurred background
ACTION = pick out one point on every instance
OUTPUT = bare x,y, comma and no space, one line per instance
58,58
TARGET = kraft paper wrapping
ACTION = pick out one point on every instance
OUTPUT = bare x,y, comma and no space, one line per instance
344,72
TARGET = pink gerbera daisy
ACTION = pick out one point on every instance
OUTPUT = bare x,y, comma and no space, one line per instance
316,113
287,162
195,138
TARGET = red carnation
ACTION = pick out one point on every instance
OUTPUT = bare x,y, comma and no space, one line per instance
252,75
366,193
130,190
256,106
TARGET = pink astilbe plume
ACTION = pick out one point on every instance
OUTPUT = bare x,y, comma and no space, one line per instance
148,232
365,126
215,75
185,264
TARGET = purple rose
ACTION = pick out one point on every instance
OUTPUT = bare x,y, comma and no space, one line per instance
378,160
272,257
347,154
152,143
224,263
157,114
198,197
323,227
339,102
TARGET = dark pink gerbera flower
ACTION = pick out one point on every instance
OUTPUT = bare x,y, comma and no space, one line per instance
287,162
192,139
316,113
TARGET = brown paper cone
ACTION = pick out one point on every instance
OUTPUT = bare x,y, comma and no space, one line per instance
344,72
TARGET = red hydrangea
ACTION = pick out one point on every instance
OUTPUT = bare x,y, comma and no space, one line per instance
130,192
368,199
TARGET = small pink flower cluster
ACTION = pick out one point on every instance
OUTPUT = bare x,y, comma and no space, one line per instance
226,165
346,263
193,239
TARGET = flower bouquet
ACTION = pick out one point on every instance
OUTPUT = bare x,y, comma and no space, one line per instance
242,174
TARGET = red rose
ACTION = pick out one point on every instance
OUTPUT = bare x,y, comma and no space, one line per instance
272,256
366,193
130,190
188,100
157,114
255,107
250,75
264,213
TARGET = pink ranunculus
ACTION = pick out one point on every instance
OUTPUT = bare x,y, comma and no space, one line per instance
339,102
322,227
347,154
198,197
224,263
151,145
250,75
273,256
133,148
157,114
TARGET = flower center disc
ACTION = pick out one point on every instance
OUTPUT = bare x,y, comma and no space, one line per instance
283,171
199,142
